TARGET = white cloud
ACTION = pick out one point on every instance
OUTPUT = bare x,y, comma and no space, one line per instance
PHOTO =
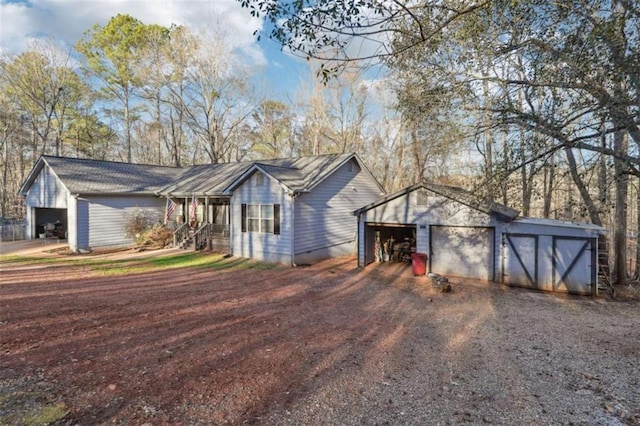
67,20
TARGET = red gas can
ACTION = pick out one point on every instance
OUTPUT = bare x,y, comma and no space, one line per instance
419,263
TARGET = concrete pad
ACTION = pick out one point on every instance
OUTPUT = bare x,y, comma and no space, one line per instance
38,245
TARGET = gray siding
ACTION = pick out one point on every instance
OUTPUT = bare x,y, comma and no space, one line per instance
261,246
47,191
101,220
324,222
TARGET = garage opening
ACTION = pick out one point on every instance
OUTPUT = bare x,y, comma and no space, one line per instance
394,235
50,223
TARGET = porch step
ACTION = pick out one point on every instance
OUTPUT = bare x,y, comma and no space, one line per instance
187,244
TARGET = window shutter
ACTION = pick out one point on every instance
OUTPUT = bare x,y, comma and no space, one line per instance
244,218
276,219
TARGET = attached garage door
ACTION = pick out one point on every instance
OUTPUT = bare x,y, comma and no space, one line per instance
462,251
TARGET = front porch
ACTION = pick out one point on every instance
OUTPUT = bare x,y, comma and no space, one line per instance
208,225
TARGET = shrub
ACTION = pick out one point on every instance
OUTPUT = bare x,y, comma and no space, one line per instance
138,222
158,236
147,231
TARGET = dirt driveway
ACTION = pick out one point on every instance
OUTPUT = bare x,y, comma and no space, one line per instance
326,344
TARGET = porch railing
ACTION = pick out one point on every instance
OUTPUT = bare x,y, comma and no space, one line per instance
180,234
209,230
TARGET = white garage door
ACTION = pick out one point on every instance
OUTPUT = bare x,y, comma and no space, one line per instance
462,251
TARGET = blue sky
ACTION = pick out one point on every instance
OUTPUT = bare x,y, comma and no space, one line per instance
66,20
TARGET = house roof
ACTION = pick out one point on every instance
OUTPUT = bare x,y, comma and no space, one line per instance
206,179
453,193
84,176
296,174
299,174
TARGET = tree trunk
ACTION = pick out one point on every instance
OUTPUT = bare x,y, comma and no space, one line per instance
603,194
5,169
620,229
637,269
549,178
594,214
417,157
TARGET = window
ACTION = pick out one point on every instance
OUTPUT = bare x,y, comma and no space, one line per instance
262,218
422,197
266,219
253,218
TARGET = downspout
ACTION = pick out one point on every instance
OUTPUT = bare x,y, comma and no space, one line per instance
358,239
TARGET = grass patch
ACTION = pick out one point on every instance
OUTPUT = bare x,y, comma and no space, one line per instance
183,260
29,401
146,264
46,415
27,260
69,261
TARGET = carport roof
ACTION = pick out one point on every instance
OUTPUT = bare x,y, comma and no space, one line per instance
453,193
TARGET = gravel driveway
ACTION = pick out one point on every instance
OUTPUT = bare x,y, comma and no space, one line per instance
326,344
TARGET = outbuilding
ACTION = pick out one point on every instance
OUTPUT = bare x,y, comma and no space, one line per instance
467,237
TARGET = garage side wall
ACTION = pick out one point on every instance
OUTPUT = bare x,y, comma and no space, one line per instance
72,220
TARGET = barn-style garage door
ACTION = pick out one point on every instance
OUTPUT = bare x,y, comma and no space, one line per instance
574,260
520,260
462,251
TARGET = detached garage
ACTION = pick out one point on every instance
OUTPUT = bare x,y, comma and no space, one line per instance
470,238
